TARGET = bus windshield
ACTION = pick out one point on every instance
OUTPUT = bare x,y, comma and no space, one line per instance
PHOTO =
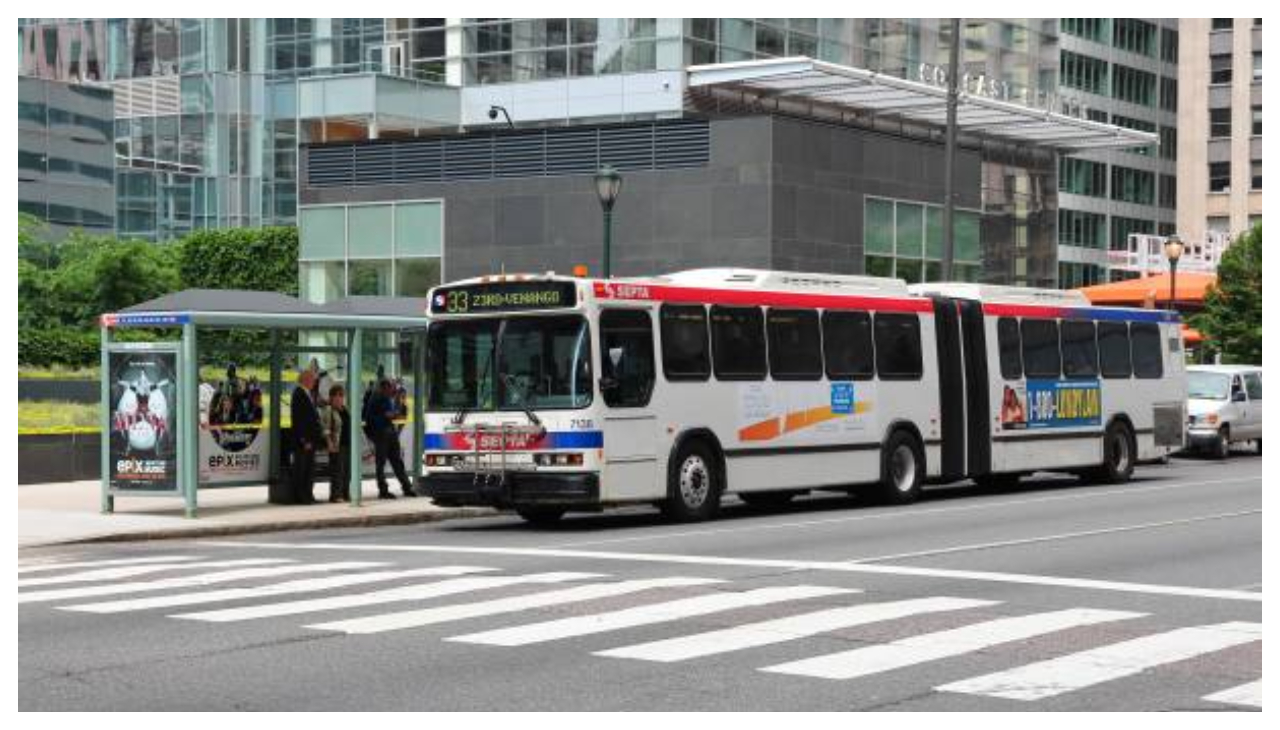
1208,386
510,363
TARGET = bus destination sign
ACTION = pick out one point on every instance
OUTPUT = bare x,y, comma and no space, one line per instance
504,296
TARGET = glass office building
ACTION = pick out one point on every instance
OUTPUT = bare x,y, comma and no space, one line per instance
210,115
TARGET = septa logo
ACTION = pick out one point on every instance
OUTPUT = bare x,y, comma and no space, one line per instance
439,300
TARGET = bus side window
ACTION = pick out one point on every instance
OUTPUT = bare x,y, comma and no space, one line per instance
1010,348
1148,356
1113,347
1253,385
1079,349
737,343
1040,355
898,354
847,345
626,357
686,352
795,345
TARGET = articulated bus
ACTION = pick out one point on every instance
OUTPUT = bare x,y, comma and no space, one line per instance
551,394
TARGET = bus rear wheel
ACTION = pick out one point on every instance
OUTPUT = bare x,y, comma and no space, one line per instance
901,469
693,485
1119,453
541,516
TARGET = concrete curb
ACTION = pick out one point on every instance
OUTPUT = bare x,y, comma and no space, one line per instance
196,531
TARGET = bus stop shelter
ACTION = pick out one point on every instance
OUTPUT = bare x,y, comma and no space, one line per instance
151,414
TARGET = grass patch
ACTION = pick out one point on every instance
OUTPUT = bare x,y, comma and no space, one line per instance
57,417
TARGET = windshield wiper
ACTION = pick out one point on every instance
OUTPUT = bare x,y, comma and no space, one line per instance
522,394
461,415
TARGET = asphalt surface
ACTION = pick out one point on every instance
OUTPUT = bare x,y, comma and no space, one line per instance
1052,596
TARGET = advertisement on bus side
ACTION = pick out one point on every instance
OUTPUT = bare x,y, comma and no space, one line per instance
1051,404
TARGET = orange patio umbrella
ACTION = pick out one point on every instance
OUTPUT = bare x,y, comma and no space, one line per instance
1155,289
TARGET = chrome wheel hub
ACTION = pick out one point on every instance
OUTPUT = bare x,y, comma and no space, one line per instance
695,481
902,468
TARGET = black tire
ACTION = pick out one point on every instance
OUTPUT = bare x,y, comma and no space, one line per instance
1119,452
694,484
767,499
902,469
1221,448
541,516
1258,445
998,482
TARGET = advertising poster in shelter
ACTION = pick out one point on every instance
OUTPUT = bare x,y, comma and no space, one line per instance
234,435
143,448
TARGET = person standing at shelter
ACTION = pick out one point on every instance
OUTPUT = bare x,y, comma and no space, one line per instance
307,437
336,421
380,421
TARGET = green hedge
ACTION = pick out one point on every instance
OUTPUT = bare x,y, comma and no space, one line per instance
60,346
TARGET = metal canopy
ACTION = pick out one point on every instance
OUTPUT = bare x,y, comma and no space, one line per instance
863,91
242,308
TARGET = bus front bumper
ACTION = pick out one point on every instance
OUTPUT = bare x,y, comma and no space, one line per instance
512,489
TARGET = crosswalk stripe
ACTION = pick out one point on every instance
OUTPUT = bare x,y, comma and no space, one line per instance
1114,661
789,628
944,644
645,615
419,592
187,581
1246,694
133,571
55,565
305,585
456,612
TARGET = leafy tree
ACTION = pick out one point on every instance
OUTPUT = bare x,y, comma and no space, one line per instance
1232,316
264,259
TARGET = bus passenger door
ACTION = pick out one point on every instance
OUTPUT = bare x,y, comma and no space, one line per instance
950,386
627,377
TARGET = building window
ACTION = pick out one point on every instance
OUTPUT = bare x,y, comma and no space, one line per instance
1169,143
1222,23
1132,186
1168,94
1091,29
1135,36
1133,86
1256,168
1122,227
1168,45
1257,65
1257,120
1219,177
1168,192
904,240
1220,122
1084,73
1079,228
1220,68
1139,125
1218,224
1082,177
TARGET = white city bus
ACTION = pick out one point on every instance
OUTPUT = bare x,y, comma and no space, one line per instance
551,393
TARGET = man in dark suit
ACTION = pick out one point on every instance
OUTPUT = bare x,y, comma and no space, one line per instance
307,437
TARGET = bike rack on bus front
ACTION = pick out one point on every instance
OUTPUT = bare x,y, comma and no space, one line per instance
490,479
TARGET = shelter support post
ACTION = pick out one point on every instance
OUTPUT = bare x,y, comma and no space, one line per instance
355,363
273,459
104,422
419,393
189,418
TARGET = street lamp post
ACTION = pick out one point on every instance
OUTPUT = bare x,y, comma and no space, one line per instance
608,185
1173,251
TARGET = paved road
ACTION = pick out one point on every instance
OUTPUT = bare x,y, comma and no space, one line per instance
1145,596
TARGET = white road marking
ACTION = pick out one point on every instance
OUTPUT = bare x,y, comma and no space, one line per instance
1051,538
1246,694
132,571
982,505
776,631
305,585
1114,661
564,628
457,612
186,581
943,644
55,565
419,592
817,565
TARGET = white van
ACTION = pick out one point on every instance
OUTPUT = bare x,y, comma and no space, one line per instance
1224,406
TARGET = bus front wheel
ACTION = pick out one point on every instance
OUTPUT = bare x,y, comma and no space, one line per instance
693,485
901,469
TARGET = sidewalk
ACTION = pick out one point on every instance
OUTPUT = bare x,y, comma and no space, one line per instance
67,512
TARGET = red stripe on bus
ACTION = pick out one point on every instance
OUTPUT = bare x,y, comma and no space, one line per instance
1025,310
743,297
